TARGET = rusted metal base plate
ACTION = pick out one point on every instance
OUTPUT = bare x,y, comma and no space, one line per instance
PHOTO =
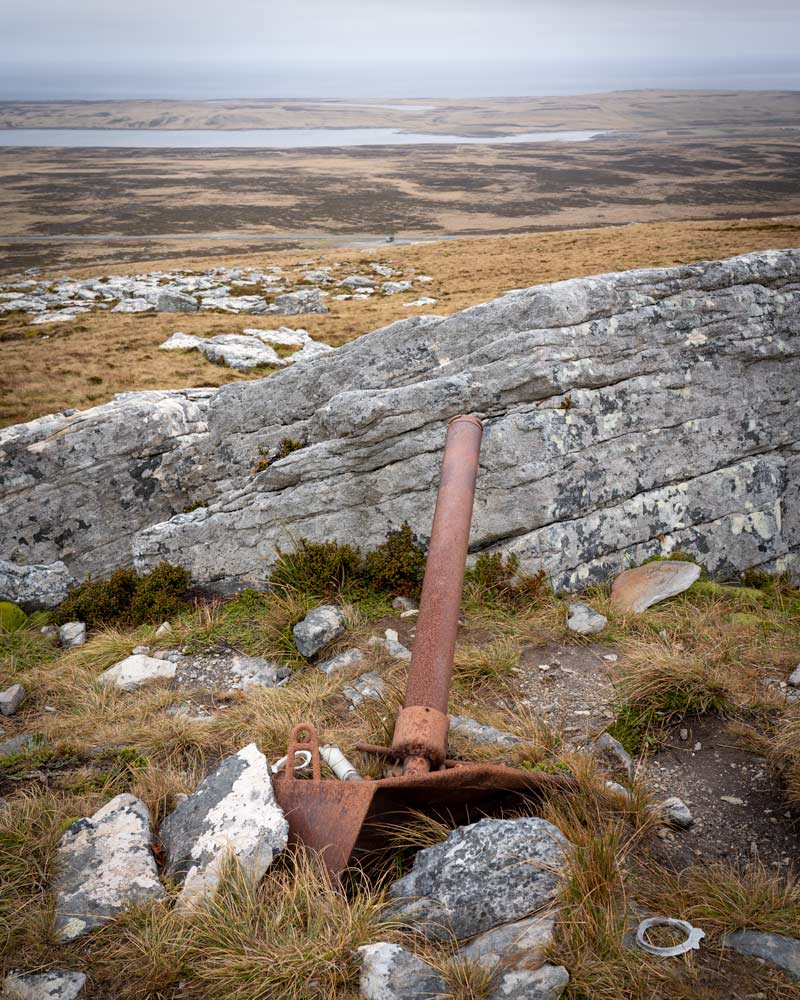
341,819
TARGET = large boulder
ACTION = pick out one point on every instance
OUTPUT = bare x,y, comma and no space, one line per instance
626,415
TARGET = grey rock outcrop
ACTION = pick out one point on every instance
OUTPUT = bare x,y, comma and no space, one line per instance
390,972
106,865
232,812
626,415
53,985
488,873
34,587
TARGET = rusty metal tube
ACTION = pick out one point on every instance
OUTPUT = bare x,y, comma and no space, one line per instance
421,730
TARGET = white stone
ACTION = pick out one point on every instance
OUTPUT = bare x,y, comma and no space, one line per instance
232,812
134,671
341,662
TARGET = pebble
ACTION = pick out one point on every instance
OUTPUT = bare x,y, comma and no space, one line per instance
684,734
584,620
794,677
732,800
675,812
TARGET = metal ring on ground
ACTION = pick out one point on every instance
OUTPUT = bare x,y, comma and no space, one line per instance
692,943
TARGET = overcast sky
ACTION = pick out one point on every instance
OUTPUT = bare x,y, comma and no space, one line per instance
391,48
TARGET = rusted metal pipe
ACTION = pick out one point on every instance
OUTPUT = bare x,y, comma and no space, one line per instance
420,735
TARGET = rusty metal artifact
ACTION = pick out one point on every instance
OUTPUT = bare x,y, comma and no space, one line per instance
342,819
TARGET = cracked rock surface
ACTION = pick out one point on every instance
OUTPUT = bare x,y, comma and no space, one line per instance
626,415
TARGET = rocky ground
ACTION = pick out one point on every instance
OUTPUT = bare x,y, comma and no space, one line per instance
63,363
163,736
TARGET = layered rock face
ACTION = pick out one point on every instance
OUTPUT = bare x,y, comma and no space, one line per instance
625,414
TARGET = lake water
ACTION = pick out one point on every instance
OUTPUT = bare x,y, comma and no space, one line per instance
273,138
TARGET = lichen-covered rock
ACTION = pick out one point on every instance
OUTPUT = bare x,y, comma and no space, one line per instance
319,627
231,812
778,949
626,415
106,864
34,587
483,875
675,812
390,972
295,303
53,985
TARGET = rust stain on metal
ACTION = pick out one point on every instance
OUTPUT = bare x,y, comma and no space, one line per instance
338,818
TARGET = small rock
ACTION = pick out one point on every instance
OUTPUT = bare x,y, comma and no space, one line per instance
391,643
546,983
518,944
684,734
732,800
137,650
106,864
367,687
72,634
794,677
53,985
134,671
775,948
614,754
638,589
341,662
482,875
698,746
675,812
584,620
17,744
232,810
319,627
481,734
394,647
404,604
410,614
610,657
389,972
11,699
163,629
49,630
